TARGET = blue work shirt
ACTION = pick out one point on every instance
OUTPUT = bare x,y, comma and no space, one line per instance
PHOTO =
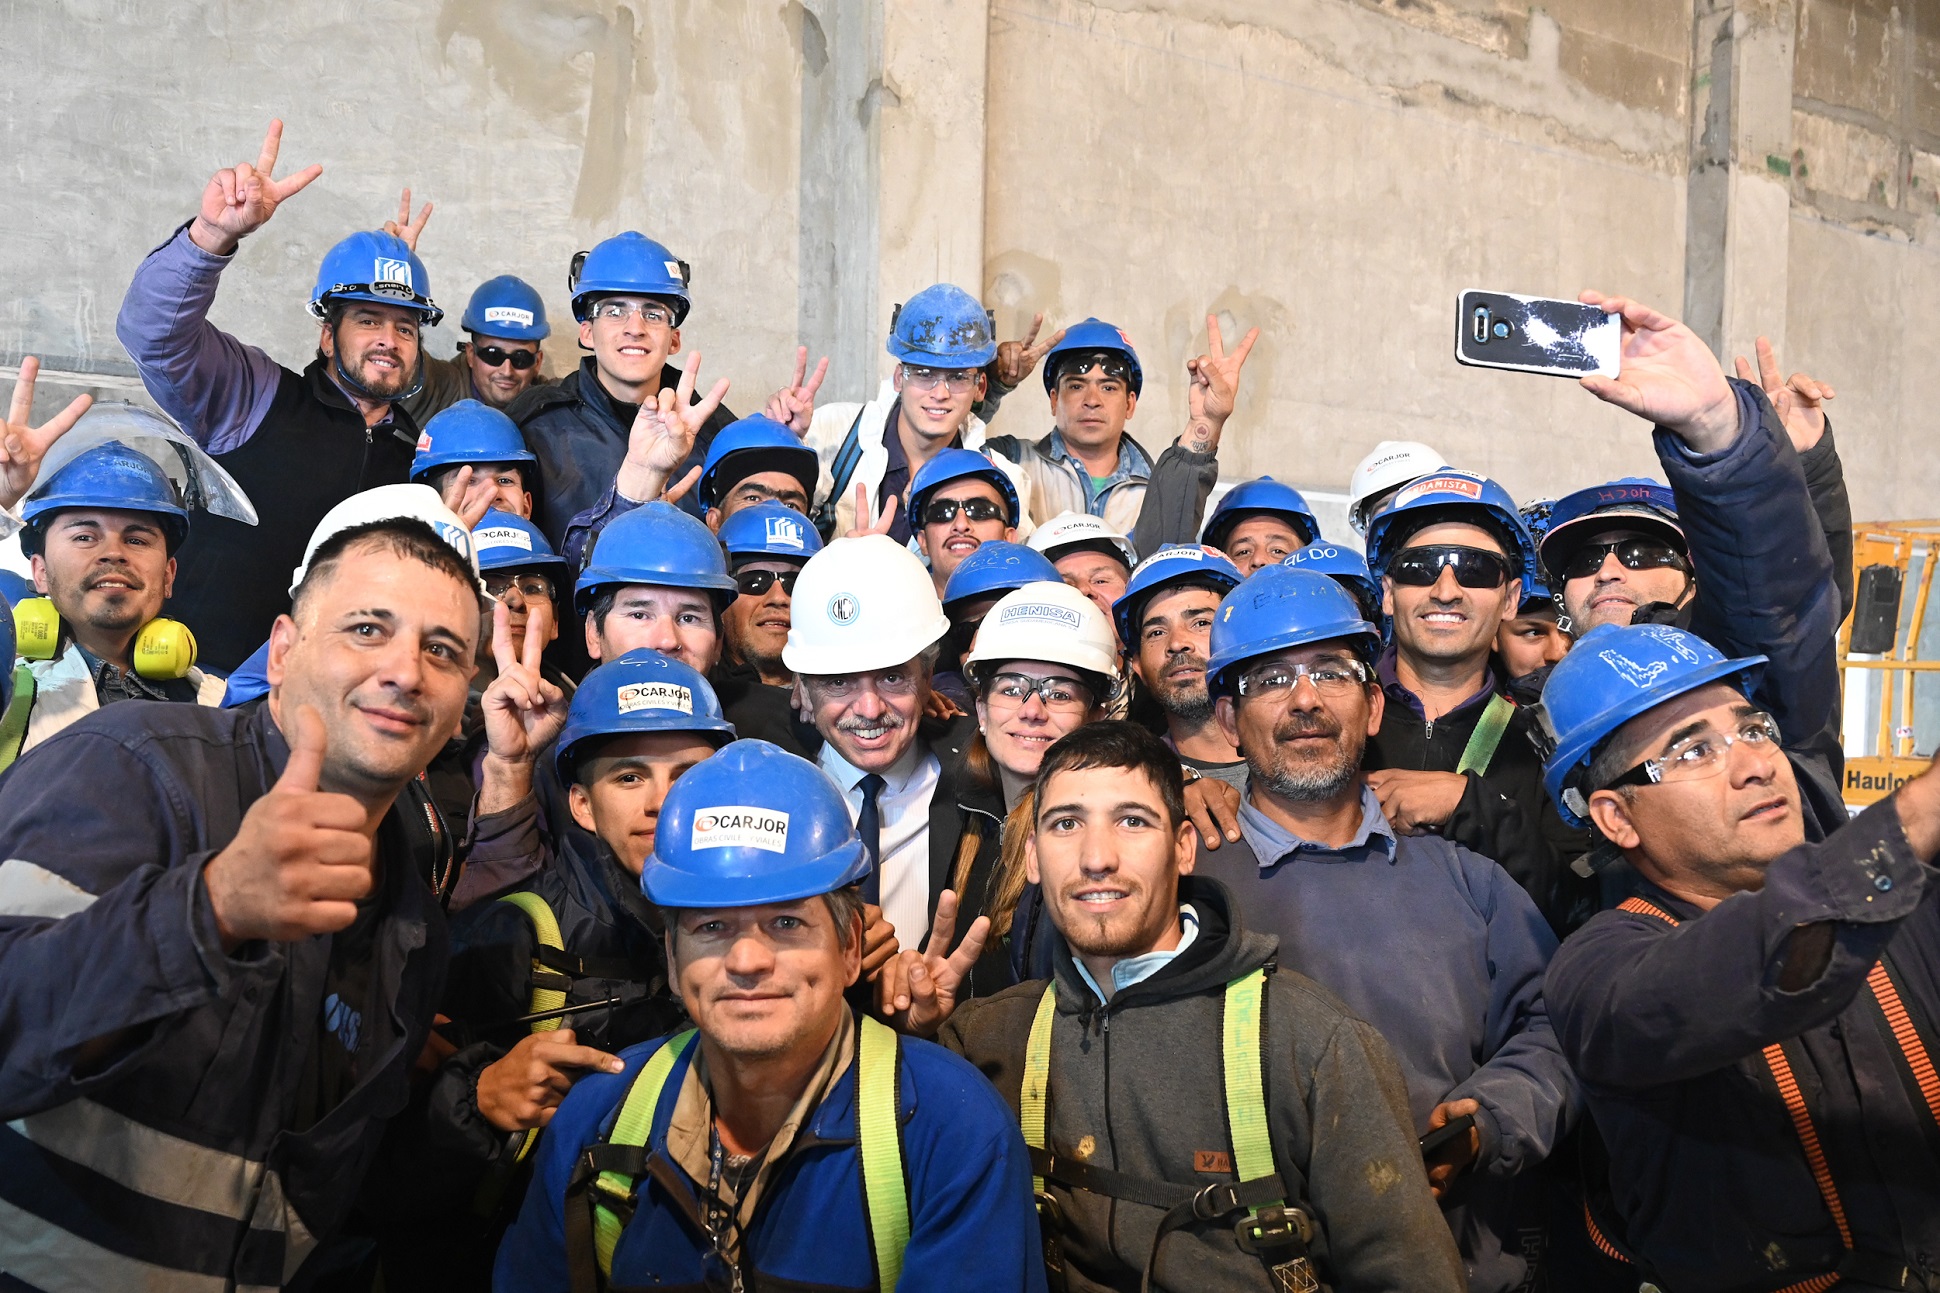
1444,953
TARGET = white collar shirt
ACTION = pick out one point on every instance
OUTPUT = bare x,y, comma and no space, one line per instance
904,806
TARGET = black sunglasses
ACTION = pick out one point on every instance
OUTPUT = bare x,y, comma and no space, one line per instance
493,356
942,511
1633,554
1473,567
753,583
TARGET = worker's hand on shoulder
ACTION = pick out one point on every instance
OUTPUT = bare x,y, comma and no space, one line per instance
301,860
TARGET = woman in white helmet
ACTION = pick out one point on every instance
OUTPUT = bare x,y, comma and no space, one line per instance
1044,663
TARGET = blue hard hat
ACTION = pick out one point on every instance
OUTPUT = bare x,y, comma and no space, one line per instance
1281,607
628,264
752,444
1389,528
641,691
655,543
754,824
15,586
372,266
769,530
957,464
507,542
1175,563
468,432
943,327
509,307
1255,497
1647,505
249,680
1613,674
6,653
1344,566
1090,337
1535,584
110,475
996,568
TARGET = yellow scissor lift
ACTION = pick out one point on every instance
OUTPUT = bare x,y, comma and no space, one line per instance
1893,564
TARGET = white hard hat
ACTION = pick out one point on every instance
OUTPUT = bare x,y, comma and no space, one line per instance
862,603
1054,623
389,503
1069,530
1392,464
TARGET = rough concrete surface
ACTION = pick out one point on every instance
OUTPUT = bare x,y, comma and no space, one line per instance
1333,171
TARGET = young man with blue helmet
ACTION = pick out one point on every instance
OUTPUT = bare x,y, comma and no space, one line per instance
475,435
782,1139
1755,1025
1259,522
306,440
629,295
503,358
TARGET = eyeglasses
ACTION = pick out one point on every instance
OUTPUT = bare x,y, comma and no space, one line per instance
658,316
1473,567
1633,554
942,511
958,380
1058,694
847,686
534,588
1329,678
493,356
1701,754
753,583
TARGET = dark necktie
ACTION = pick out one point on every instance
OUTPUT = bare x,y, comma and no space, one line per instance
868,825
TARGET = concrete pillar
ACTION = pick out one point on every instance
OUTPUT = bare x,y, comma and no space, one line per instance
1738,197
892,170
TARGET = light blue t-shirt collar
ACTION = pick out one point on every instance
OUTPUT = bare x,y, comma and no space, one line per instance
1136,969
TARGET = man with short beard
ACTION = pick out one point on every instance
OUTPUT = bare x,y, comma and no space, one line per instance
1164,623
1435,946
298,443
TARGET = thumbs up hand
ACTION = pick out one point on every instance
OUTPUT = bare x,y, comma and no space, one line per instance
302,858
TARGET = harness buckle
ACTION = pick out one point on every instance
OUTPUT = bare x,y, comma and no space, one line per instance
1273,1230
1220,1199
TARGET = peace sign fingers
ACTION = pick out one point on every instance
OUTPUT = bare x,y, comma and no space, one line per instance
404,226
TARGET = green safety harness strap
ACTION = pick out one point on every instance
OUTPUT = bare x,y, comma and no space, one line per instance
1482,742
13,724
545,926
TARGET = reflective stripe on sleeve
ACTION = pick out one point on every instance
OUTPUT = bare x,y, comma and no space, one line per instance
30,890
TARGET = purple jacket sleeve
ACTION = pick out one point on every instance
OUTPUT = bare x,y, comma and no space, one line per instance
1621,990
584,528
216,387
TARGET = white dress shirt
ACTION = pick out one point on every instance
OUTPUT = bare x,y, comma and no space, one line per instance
904,806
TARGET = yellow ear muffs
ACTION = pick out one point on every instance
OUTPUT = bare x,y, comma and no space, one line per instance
164,649
36,629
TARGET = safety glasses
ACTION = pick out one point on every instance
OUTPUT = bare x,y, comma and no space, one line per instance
1702,754
493,356
1066,695
753,583
957,380
1633,554
534,588
1473,567
942,511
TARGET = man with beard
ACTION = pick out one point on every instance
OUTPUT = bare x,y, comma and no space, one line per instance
767,545
102,533
1432,944
1164,623
305,441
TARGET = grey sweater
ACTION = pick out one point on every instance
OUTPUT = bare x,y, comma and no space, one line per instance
1138,1086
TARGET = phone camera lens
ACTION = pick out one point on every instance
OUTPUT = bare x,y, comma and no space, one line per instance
1500,329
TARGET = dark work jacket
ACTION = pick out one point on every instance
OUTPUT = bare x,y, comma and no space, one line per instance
980,815
1504,814
1136,1087
310,452
761,711
570,428
183,1147
1709,1187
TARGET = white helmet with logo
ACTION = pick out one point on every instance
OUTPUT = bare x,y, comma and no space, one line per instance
1072,530
1054,623
1392,464
388,503
861,604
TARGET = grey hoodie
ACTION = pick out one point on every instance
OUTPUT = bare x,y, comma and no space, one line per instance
1138,1086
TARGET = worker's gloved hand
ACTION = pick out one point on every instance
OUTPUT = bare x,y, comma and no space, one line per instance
521,1091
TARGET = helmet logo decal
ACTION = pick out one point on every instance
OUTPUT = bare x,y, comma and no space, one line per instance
1675,640
741,826
1042,612
392,271
843,609
1471,489
1637,675
655,695
785,532
508,314
454,535
503,536
424,442
675,270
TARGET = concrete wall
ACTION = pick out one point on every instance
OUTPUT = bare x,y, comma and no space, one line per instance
1333,171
